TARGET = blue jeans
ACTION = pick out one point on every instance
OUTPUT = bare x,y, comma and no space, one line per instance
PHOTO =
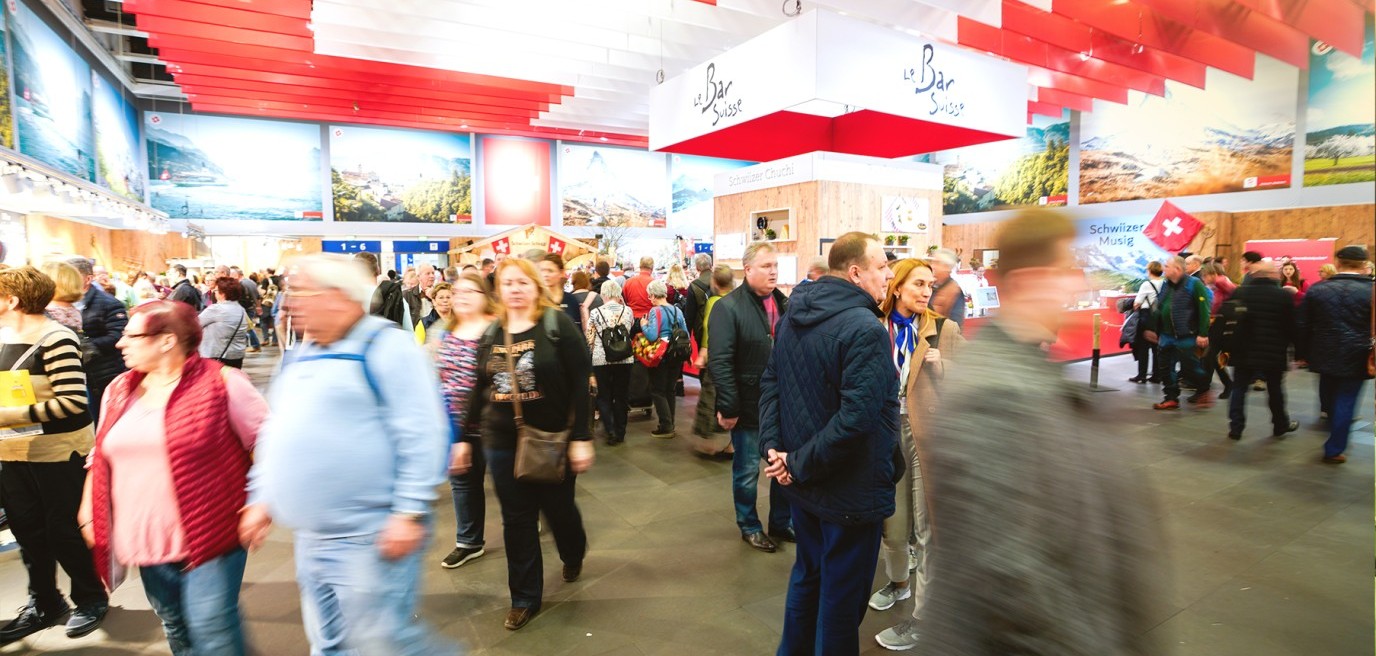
1275,392
355,603
253,336
470,503
522,503
829,587
745,482
1345,392
199,608
1179,350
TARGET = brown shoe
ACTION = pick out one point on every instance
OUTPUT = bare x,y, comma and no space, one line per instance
760,541
571,573
518,617
1335,460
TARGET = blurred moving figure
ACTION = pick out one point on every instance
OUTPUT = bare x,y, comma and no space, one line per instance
1335,322
1040,524
350,461
102,322
1260,347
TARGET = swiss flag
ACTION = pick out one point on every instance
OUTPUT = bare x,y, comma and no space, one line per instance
502,246
556,245
1172,228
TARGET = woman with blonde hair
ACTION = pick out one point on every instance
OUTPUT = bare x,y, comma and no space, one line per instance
534,362
70,283
677,283
922,342
454,344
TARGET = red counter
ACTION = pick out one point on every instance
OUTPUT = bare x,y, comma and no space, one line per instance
1075,341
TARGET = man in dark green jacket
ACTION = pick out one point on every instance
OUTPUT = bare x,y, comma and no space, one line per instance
742,327
1179,325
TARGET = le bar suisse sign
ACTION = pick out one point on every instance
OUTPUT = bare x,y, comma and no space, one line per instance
812,65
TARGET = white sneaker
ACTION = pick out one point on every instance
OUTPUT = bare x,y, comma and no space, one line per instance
889,595
899,638
912,558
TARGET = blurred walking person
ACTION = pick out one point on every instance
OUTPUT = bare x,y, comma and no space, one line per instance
1335,323
1261,346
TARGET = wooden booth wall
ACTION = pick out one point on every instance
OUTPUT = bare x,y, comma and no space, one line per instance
120,251
820,210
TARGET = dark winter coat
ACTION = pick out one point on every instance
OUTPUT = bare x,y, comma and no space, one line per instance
1267,330
187,293
829,399
1182,309
1335,324
102,321
698,292
738,352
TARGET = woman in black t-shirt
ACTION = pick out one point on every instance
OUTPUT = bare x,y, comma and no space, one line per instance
551,375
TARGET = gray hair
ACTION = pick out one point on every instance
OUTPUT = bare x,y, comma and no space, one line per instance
611,291
820,265
657,289
753,250
702,262
331,271
1194,259
85,265
946,256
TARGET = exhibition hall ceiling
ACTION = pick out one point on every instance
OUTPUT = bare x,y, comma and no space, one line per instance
581,69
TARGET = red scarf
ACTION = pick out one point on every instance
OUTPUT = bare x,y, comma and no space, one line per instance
209,463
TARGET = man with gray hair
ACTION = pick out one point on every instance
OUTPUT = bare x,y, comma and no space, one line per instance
1194,266
1178,324
948,299
817,269
742,336
699,290
349,461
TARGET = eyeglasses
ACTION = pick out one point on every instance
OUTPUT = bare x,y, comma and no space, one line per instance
139,335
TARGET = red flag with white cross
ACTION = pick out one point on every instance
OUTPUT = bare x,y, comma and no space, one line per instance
1172,228
502,247
556,245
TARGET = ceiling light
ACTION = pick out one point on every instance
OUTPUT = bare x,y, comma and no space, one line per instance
1084,56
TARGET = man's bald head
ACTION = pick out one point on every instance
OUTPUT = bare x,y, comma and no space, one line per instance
1265,269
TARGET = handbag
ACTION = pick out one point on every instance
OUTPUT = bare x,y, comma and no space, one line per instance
541,456
649,352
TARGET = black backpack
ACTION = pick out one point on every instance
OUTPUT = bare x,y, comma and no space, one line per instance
388,302
680,348
616,338
1232,320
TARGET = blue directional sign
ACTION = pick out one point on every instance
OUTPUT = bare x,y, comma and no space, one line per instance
430,246
350,246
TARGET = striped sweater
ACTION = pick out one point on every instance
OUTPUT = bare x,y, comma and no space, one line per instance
59,385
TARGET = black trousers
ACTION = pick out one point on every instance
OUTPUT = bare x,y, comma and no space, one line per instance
41,499
522,504
1275,398
662,381
613,400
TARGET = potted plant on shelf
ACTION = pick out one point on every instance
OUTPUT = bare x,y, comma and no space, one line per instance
770,234
902,240
888,240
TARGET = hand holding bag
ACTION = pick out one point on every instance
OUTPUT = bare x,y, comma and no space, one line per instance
541,456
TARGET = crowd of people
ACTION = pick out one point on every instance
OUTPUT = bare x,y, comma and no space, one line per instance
880,430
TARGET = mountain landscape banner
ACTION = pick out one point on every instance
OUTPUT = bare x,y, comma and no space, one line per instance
693,179
1032,170
216,167
1114,253
1340,124
379,174
612,187
1238,136
52,96
117,151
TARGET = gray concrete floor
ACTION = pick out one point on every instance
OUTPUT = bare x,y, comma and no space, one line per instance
1270,551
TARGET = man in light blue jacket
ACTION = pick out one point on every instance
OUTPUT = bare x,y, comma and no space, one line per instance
349,460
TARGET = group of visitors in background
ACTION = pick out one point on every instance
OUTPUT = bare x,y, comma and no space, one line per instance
1192,322
141,444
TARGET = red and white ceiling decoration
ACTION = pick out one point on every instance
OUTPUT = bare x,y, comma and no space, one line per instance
582,69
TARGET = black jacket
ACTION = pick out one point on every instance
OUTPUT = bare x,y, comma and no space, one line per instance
738,352
698,292
829,399
414,301
187,293
1335,323
1267,330
102,320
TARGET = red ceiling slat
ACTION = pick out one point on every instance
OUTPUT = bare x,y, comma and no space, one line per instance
1065,33
221,16
1236,23
1044,109
355,92
450,91
343,68
290,8
403,113
162,25
1339,23
1142,25
274,77
1047,78
1031,51
1065,99
533,131
290,95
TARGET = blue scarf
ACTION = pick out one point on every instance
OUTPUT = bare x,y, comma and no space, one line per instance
905,337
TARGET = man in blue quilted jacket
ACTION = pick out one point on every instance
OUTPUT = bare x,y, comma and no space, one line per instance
829,429
1336,322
